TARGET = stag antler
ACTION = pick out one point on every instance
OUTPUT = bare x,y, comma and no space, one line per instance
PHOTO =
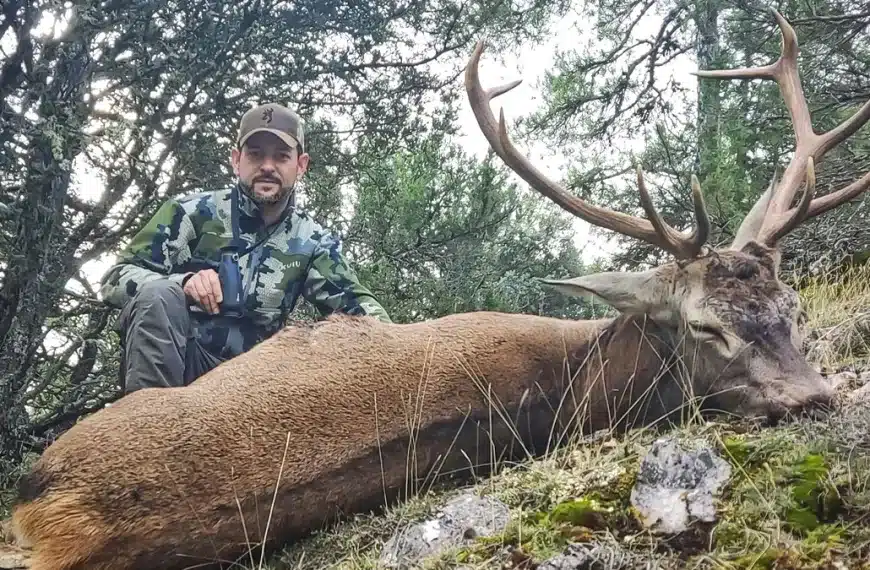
772,217
654,230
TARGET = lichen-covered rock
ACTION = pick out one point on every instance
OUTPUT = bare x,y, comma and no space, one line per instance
590,557
13,558
457,523
676,487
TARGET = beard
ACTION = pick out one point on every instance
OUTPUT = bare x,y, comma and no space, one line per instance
273,197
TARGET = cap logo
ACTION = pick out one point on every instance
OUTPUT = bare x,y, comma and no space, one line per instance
267,115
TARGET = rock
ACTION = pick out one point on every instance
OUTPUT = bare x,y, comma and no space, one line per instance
589,557
846,378
13,558
675,487
456,524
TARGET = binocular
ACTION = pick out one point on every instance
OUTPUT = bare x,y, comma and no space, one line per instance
230,276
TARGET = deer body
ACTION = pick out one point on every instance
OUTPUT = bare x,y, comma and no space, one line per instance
350,410
155,481
152,481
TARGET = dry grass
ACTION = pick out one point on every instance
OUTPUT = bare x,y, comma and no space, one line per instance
837,308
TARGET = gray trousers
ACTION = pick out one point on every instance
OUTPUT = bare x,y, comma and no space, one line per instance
158,348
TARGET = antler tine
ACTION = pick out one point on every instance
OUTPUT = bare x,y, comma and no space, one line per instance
793,218
749,228
775,204
785,72
479,99
830,201
696,240
656,232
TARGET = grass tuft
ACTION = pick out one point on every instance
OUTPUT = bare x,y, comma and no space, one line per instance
837,305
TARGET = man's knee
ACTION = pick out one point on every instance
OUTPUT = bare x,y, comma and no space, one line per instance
164,290
155,332
159,304
160,294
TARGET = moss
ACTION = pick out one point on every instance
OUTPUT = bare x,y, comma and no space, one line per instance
747,451
758,561
541,534
528,533
587,511
785,507
814,500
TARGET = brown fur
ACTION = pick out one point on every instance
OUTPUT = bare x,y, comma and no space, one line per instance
154,480
169,498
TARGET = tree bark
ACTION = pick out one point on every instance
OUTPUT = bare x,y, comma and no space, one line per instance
35,276
709,103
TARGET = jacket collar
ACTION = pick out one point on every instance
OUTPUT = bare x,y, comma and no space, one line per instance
246,204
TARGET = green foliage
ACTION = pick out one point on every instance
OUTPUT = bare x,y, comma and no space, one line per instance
436,232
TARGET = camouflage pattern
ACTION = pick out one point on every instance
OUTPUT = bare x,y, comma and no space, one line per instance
298,258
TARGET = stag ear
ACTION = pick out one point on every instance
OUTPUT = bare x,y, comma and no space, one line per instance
642,292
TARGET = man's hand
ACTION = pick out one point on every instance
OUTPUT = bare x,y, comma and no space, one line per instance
204,289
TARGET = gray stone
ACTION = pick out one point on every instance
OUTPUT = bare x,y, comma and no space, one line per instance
589,557
456,524
675,487
13,558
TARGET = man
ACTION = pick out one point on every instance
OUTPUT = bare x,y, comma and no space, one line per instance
177,319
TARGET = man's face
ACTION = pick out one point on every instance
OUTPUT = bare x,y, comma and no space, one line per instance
267,168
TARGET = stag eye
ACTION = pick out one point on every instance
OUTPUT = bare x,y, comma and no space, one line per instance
708,331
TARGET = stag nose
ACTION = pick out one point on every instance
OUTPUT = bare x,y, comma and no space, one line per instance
821,400
813,398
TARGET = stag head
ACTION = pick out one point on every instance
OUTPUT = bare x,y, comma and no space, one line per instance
725,310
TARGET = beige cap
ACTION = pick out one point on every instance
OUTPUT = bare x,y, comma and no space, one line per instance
272,118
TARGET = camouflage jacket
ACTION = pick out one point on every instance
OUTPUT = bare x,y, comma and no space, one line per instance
297,257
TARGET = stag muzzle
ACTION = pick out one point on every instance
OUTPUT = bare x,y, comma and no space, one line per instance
792,389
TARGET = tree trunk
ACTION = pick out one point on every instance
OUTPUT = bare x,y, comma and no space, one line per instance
34,278
709,95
